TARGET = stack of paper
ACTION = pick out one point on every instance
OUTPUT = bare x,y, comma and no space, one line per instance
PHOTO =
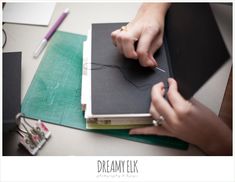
112,98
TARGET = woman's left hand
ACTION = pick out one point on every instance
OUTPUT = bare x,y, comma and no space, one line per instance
187,120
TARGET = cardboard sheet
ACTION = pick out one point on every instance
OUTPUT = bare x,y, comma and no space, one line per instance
28,13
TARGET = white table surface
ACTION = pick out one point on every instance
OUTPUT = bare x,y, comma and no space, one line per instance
67,141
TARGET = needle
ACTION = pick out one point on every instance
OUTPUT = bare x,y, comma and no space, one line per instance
160,69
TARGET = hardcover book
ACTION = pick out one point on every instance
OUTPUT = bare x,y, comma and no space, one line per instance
192,51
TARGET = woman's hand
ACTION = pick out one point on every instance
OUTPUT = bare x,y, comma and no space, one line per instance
187,120
147,29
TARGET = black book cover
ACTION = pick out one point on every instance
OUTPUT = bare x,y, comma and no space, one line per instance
192,51
11,66
11,88
196,47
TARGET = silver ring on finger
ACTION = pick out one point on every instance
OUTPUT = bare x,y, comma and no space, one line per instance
159,121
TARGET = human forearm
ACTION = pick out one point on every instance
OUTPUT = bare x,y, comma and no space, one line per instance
219,141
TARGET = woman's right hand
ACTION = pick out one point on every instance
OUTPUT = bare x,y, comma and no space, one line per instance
147,30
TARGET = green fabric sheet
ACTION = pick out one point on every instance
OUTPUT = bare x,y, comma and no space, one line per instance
54,95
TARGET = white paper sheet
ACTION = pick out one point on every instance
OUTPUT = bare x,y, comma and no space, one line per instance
28,13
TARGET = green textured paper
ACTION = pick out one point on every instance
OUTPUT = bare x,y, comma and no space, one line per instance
55,92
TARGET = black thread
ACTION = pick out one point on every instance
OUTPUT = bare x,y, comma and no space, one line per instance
104,66
5,41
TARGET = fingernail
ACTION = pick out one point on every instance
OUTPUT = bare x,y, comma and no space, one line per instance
135,55
162,84
131,132
155,64
135,39
151,64
169,79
